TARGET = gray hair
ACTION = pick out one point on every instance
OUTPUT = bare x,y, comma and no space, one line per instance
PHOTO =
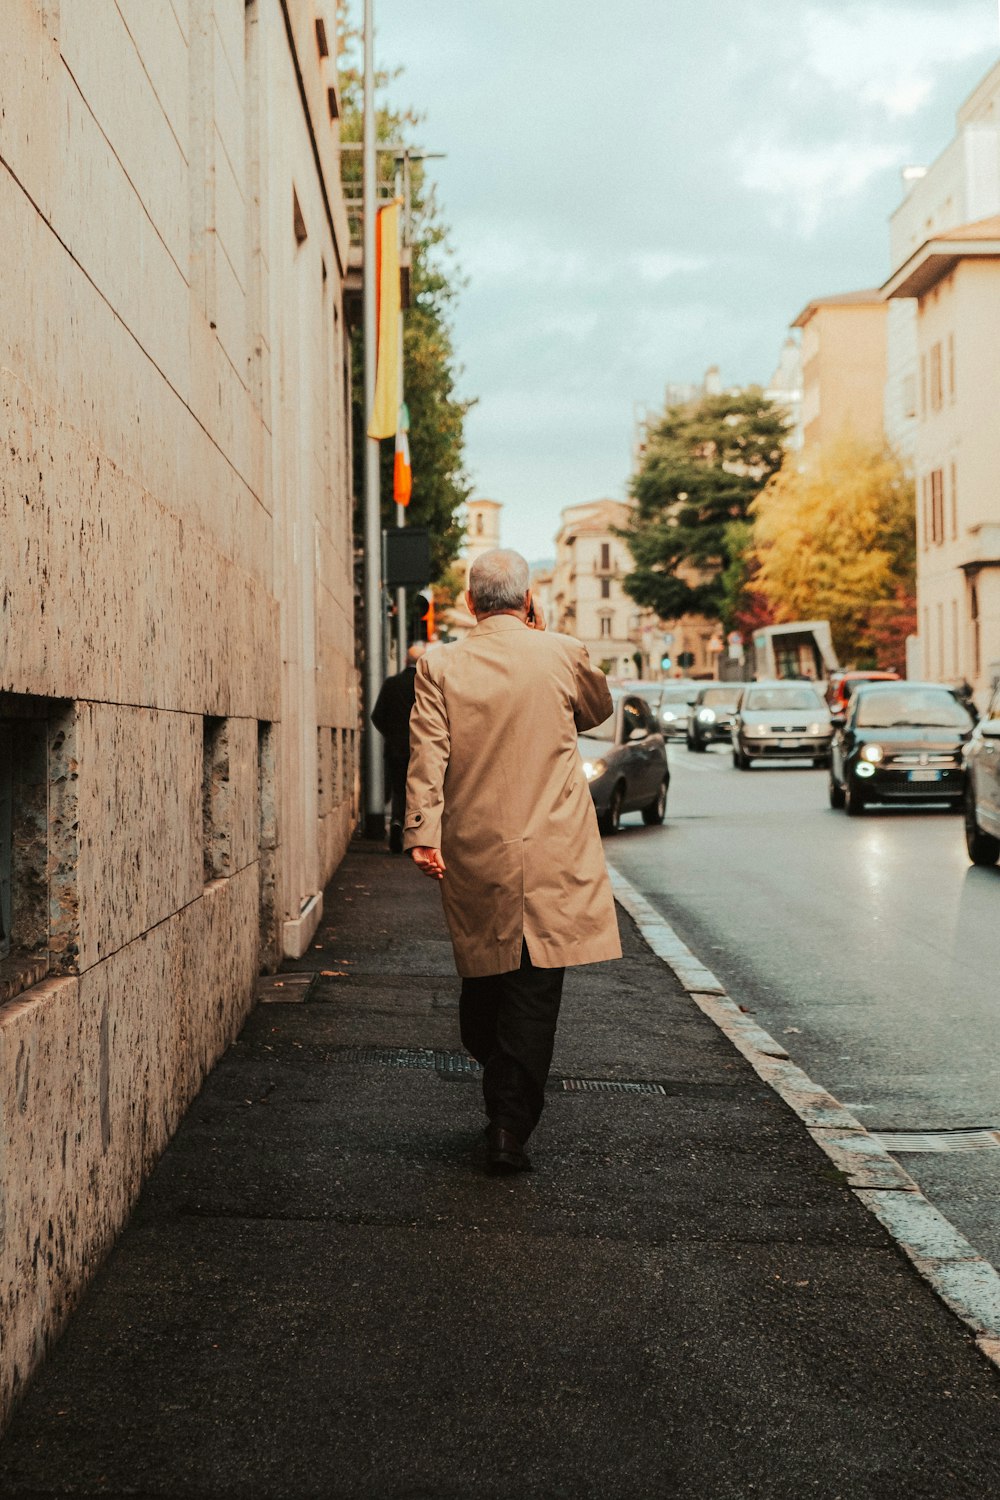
498,580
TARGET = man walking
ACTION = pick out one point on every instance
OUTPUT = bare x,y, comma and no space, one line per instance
391,717
498,810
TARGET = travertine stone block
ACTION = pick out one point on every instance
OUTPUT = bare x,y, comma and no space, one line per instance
139,819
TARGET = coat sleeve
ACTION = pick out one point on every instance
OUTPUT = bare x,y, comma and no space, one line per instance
430,747
593,696
380,713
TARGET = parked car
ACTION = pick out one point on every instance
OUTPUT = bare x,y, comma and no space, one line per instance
900,742
982,788
625,762
842,685
676,699
712,714
780,720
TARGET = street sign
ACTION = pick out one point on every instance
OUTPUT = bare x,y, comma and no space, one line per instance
407,557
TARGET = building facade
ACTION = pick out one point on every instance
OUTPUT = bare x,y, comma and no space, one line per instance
961,187
589,601
178,695
954,281
843,355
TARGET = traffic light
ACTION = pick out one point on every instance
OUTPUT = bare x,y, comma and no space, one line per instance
686,660
664,663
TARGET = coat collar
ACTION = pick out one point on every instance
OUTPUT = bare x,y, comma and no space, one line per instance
494,623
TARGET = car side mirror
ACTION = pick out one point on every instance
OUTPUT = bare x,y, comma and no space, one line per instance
637,734
990,727
838,720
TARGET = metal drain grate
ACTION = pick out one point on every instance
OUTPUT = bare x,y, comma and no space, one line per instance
411,1057
609,1086
896,1141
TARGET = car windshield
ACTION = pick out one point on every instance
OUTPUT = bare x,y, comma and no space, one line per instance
718,697
919,708
650,694
781,700
679,695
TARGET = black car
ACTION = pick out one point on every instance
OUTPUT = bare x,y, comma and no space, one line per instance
625,762
900,742
712,714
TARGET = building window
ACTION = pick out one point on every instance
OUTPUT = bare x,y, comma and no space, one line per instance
605,627
925,507
937,387
954,501
605,556
479,525
940,641
909,395
955,667
951,368
605,588
937,506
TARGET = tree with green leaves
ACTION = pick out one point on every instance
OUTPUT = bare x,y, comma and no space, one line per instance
431,372
705,463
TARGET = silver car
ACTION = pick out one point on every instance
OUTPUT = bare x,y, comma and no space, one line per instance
625,762
982,788
781,720
676,699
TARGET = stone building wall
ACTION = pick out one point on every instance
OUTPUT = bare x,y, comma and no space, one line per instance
178,698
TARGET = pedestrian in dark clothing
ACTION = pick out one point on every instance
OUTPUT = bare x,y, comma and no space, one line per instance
391,717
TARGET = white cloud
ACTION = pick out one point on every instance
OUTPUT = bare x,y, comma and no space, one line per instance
888,55
528,259
809,181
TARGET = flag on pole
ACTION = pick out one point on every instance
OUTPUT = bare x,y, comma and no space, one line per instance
402,474
386,405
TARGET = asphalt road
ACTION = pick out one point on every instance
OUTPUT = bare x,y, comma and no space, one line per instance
870,947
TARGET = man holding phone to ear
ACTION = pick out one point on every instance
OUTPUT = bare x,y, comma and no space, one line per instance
498,810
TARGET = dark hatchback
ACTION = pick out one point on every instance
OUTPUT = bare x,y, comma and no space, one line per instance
901,742
712,715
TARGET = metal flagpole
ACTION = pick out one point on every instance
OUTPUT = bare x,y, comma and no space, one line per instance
404,235
374,822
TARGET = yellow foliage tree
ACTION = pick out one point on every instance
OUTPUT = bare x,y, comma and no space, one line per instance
836,540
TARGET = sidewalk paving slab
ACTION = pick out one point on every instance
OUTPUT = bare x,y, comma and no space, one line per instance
321,1293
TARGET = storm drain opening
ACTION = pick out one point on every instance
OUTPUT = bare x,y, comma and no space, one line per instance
898,1141
609,1086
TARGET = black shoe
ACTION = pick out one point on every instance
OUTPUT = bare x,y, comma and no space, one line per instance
504,1152
395,838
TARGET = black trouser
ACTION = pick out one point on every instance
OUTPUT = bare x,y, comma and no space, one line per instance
508,1024
397,769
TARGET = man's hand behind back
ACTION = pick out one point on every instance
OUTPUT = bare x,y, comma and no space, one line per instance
429,861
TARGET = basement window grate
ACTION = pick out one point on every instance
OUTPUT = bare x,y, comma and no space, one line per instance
899,1141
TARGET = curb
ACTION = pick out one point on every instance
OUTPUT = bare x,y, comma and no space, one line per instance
964,1281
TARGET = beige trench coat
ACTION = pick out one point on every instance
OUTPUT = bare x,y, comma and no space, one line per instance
496,783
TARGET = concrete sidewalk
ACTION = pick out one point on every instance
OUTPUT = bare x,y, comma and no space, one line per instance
322,1294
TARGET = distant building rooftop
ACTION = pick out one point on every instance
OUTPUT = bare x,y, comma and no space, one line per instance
871,296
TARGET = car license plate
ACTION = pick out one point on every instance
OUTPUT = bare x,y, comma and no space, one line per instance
925,775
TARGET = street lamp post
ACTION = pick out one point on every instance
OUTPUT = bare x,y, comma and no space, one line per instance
374,822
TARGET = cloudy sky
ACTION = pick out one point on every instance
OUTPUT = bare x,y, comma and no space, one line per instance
641,189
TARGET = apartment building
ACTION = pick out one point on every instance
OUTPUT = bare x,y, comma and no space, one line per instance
589,601
954,280
943,389
178,696
843,356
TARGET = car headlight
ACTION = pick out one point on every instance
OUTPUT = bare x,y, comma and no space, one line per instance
819,729
706,716
594,768
872,752
667,716
758,729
